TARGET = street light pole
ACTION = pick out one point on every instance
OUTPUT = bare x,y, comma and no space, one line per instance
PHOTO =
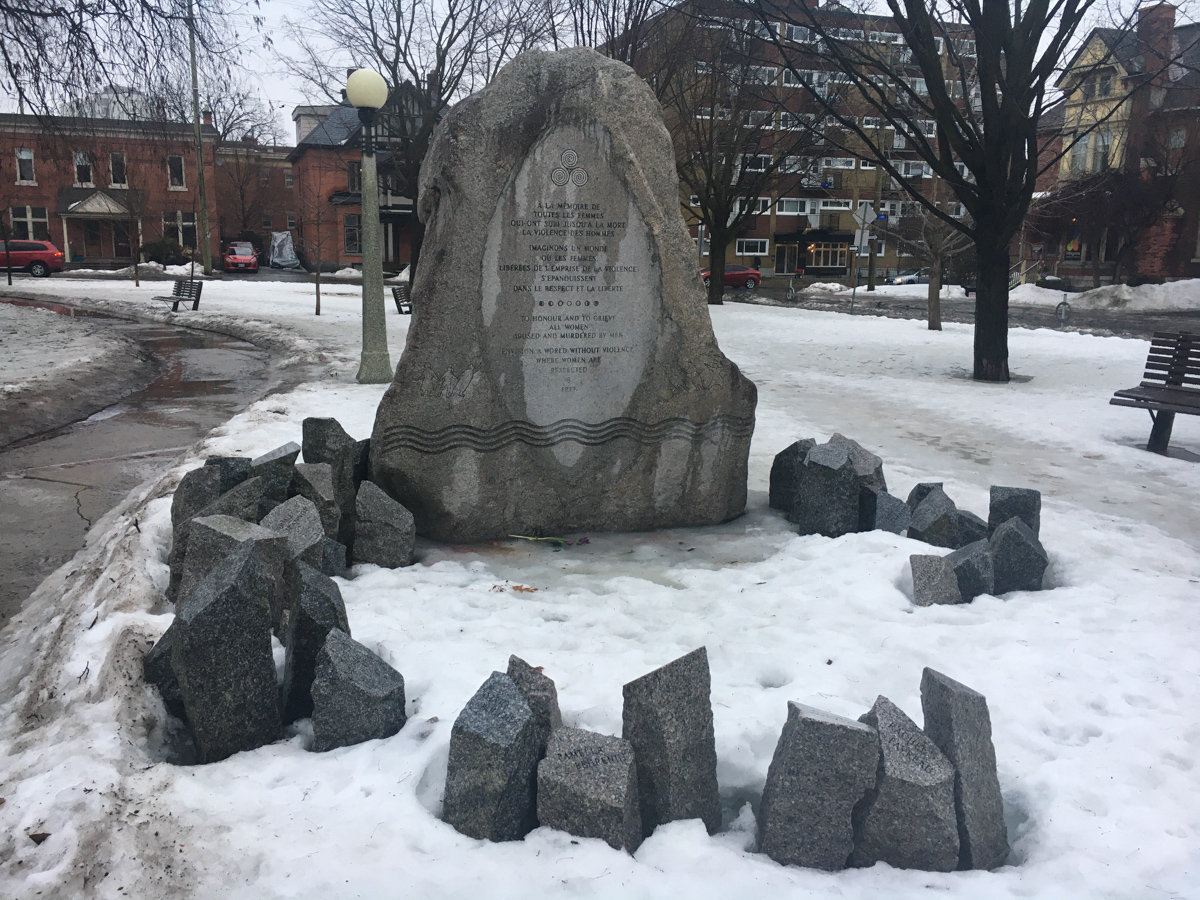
367,91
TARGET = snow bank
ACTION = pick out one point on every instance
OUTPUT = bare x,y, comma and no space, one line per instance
1177,295
347,272
825,287
1093,684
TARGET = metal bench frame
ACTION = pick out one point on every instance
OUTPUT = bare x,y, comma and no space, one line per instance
400,295
184,291
1170,385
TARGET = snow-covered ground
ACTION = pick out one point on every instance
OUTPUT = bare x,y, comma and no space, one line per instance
39,344
1143,298
1093,684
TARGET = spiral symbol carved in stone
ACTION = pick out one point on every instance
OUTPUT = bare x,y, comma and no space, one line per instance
560,176
570,159
579,177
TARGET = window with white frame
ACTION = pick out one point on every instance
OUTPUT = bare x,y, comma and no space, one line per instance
867,164
825,255
798,165
352,234
291,220
899,141
25,173
963,47
761,206
694,200
913,168
175,176
928,127
756,162
267,221
955,209
871,123
798,34
846,34
886,37
83,169
118,177
758,28
288,178
761,74
918,85
29,223
180,225
759,118
790,206
794,121
837,162
751,247
791,78
835,204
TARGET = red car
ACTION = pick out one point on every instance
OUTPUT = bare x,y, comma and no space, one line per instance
241,257
738,276
38,258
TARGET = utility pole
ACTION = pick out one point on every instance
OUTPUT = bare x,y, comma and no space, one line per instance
875,209
202,225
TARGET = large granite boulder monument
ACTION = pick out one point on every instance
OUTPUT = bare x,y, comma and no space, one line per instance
560,372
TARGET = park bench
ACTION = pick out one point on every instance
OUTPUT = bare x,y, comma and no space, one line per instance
184,291
400,295
1171,384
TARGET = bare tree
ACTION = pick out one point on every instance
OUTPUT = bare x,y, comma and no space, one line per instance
934,244
965,83
617,28
313,216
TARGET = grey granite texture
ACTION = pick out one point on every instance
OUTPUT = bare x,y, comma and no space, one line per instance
362,462
319,609
623,416
907,819
1009,502
300,522
587,786
384,531
958,722
234,470
491,777
785,469
971,528
972,566
356,696
248,500
196,490
275,469
541,695
222,656
333,559
314,481
822,767
668,719
935,520
827,490
920,492
211,539
156,666
1018,558
934,581
867,466
887,513
325,441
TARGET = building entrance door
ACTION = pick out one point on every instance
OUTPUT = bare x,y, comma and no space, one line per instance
787,258
121,245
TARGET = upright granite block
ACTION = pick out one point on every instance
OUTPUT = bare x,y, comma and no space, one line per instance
934,581
1010,502
314,481
668,720
299,520
600,404
333,559
319,610
785,474
826,493
234,470
973,569
222,657
540,693
275,469
356,696
214,538
362,463
935,520
879,510
970,527
587,786
920,492
196,490
907,819
156,665
867,466
384,533
247,501
957,721
491,778
823,765
325,441
1018,559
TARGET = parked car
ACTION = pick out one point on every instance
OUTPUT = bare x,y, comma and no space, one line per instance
38,258
738,276
241,257
912,276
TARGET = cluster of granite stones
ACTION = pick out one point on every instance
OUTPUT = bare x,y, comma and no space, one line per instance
838,488
839,793
843,793
514,766
255,542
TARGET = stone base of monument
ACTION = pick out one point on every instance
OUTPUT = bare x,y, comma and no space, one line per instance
561,372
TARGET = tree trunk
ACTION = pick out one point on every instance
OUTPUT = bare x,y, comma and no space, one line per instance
935,295
417,238
1095,266
991,311
7,252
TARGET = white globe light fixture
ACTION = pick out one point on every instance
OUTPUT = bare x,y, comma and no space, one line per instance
368,93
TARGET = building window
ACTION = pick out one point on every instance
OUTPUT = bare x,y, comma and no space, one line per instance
798,34
354,178
1176,139
291,220
83,169
866,164
787,206
264,176
760,206
266,220
751,247
837,162
25,173
693,200
756,162
352,234
835,204
287,177
1078,158
1103,143
827,256
116,167
175,181
759,118
180,225
29,223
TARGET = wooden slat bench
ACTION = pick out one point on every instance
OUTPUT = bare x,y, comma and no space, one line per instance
1170,385
400,295
184,291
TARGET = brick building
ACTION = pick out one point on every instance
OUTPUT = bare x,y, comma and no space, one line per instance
98,188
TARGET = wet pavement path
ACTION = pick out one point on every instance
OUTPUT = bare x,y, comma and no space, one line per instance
56,485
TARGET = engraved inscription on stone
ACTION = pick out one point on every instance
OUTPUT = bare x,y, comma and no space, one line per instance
571,286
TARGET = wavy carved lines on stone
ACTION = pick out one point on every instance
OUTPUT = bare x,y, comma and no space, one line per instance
570,170
484,440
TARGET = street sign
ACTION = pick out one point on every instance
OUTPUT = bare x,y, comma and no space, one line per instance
854,248
882,217
864,215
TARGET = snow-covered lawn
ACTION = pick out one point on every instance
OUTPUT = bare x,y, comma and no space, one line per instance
1093,684
37,344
